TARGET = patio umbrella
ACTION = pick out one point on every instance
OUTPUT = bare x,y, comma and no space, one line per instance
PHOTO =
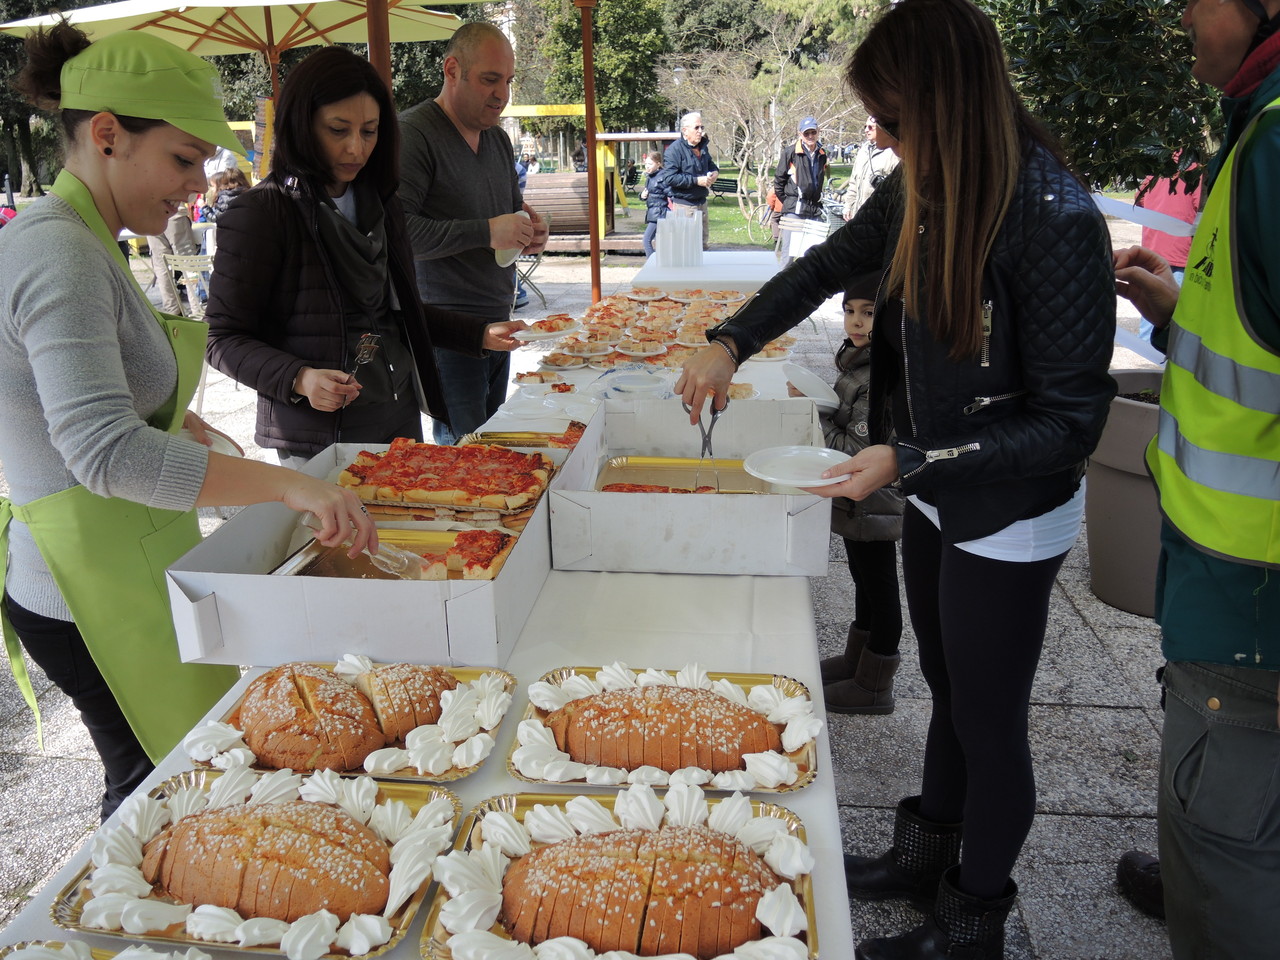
207,27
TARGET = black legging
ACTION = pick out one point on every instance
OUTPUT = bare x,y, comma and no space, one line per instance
980,625
58,649
873,564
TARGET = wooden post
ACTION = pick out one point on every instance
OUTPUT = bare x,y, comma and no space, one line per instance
585,7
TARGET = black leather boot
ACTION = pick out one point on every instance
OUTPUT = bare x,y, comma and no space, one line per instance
1138,877
871,688
912,868
842,665
962,928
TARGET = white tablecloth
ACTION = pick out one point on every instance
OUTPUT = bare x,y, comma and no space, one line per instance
744,271
750,624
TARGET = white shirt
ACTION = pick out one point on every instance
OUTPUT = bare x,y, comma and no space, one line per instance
1025,541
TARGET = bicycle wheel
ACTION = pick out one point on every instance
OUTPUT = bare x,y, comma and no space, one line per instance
758,226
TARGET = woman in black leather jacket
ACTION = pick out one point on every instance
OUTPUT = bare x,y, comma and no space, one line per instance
995,321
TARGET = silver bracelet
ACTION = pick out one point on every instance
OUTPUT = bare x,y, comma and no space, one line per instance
729,350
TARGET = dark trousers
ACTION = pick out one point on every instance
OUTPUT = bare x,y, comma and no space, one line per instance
474,388
877,607
58,649
980,625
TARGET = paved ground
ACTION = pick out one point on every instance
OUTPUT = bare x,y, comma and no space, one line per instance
1094,723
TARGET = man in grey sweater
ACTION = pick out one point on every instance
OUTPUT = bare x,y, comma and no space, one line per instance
462,203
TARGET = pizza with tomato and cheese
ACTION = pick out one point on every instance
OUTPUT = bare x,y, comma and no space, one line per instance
475,475
555,323
476,554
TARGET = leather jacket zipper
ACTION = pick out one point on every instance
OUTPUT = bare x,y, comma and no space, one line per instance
945,453
987,310
980,403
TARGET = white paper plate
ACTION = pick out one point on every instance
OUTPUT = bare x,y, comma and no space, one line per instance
653,351
795,466
530,407
587,348
759,357
812,386
581,362
529,336
507,257
637,383
579,407
219,444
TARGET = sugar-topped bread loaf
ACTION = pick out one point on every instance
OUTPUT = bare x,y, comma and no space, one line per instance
675,890
278,860
304,717
663,726
405,695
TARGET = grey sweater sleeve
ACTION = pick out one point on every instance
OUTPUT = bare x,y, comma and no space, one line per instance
430,238
95,364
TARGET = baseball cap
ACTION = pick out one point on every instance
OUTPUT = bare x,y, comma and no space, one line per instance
808,123
134,74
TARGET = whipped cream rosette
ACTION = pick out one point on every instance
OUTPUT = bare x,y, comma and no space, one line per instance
540,755
449,749
111,895
79,950
466,919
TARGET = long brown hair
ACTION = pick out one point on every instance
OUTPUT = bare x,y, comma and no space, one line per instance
934,75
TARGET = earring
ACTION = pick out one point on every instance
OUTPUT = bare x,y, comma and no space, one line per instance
106,151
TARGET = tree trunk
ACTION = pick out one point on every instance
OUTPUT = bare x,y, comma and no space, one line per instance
11,164
30,171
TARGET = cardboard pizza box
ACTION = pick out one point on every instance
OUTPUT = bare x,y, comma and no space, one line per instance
781,533
228,608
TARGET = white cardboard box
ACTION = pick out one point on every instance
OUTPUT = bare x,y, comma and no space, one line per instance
228,608
783,534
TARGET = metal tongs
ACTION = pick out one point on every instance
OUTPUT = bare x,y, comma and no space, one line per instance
388,558
366,348
706,450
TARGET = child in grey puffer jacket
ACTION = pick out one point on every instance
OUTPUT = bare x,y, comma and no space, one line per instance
860,680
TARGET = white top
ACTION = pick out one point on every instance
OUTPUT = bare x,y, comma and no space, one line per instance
1025,541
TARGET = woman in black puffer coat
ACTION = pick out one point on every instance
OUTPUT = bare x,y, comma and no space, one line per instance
317,255
995,319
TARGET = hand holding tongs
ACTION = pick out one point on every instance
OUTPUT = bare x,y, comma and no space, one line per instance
366,348
389,559
706,431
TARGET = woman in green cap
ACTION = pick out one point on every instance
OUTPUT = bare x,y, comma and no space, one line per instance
95,384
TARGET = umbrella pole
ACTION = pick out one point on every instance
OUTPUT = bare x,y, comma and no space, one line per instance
585,7
379,39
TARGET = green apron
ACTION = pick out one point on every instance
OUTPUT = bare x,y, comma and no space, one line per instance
108,557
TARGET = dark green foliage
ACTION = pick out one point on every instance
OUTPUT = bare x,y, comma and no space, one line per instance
1112,78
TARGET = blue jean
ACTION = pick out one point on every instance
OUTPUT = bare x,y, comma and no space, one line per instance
474,388
1145,326
1219,811
650,231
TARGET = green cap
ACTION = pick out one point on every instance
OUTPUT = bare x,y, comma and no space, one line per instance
134,74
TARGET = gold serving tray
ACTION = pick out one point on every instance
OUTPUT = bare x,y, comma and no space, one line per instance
68,907
463,675
435,937
96,952
685,472
521,438
805,758
314,559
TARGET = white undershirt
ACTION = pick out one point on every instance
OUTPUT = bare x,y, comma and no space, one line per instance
1025,541
346,205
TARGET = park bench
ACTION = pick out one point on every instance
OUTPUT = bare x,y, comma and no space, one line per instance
724,187
563,196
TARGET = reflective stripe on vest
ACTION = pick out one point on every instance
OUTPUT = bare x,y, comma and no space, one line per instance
1216,458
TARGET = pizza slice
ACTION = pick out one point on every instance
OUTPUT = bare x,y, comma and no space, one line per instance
480,554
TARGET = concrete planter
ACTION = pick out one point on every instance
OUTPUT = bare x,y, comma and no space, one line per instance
1120,501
